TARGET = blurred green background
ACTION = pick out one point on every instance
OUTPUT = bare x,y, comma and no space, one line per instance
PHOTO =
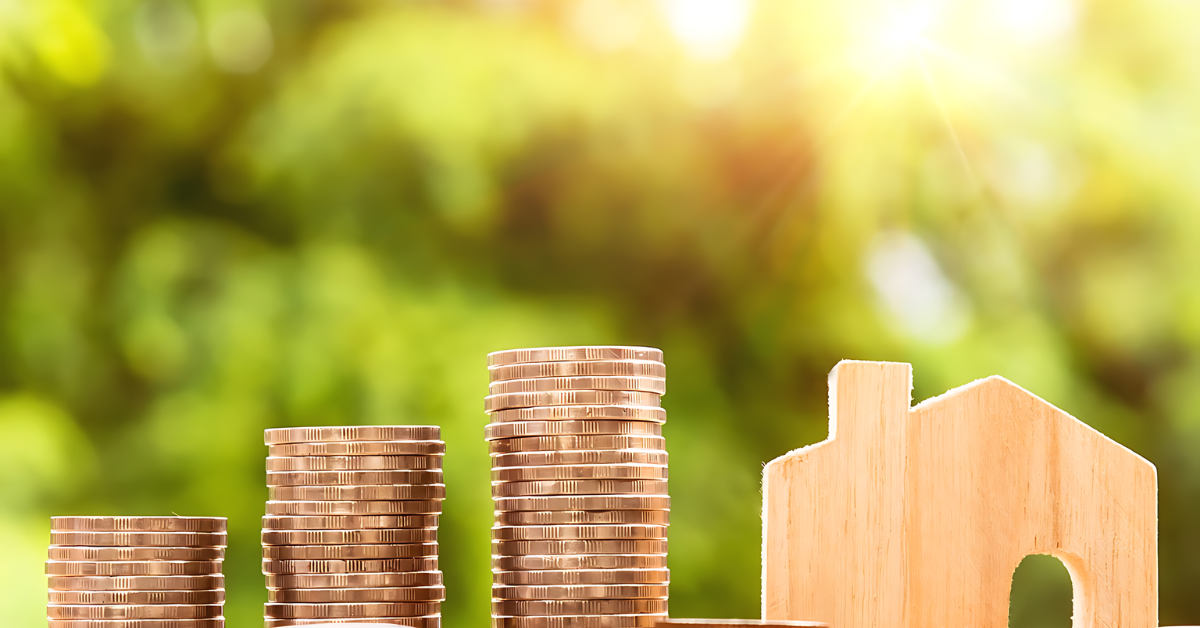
218,216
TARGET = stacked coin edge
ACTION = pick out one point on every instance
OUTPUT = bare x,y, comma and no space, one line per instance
579,477
136,572
350,534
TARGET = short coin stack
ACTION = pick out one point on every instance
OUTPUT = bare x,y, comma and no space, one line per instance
579,480
136,572
350,533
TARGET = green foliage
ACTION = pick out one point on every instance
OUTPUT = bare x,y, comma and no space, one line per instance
1041,594
217,217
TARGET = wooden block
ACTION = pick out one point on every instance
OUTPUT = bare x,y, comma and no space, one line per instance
917,517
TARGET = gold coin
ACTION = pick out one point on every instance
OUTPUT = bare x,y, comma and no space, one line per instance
656,385
582,502
215,596
147,611
583,517
580,487
349,552
362,609
579,546
135,583
580,472
352,478
140,539
360,448
273,566
584,457
645,620
577,607
594,368
576,561
132,568
355,580
739,623
348,537
516,429
68,552
539,533
372,594
410,507
583,576
348,522
139,524
493,403
353,463
573,354
575,442
275,436
429,621
654,414
354,493
580,592
215,622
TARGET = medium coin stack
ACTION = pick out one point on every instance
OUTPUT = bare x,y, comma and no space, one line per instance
350,533
579,481
136,572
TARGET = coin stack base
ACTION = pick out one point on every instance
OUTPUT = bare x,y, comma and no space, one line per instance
579,481
350,534
136,572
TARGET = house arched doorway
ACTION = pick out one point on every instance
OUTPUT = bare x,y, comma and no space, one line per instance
1041,594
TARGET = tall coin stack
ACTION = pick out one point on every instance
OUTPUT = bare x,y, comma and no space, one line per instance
350,533
136,572
579,481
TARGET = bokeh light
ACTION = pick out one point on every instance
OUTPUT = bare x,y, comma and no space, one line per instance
708,28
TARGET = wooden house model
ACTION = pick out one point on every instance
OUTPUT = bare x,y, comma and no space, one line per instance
917,517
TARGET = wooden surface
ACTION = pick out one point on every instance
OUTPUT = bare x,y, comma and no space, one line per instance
917,517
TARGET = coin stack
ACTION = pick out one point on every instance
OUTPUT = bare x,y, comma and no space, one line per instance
579,480
350,533
136,572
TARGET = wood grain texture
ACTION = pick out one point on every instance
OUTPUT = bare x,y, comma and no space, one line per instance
918,517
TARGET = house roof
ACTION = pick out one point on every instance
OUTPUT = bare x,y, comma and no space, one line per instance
997,384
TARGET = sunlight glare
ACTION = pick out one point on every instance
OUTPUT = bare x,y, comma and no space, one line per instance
907,29
887,38
709,29
936,96
1033,21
